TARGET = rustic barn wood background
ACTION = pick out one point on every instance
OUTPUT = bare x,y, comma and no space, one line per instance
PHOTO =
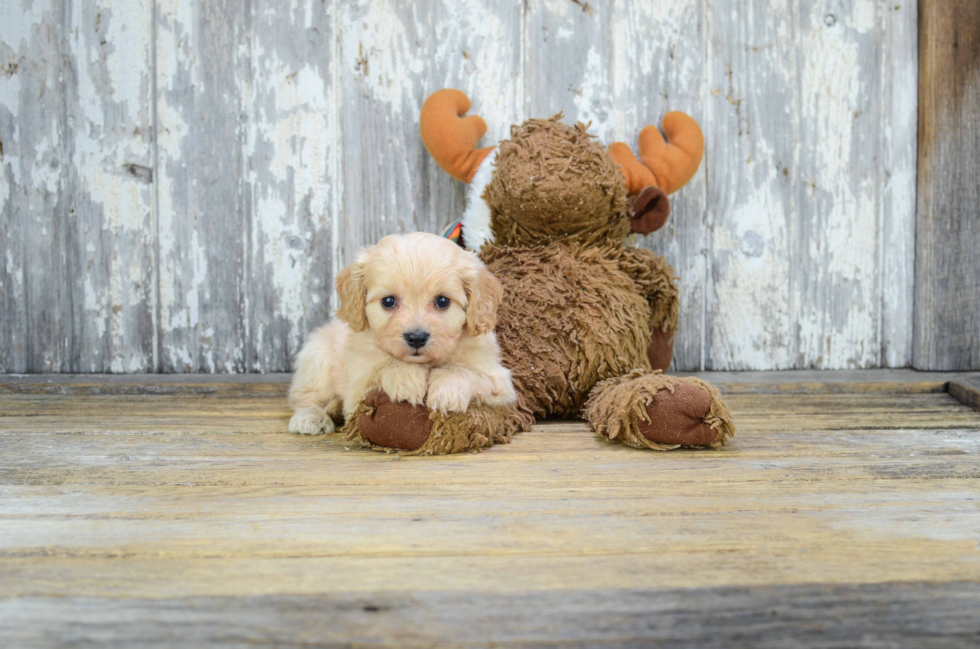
947,259
181,179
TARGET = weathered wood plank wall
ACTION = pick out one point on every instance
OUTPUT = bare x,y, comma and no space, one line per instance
180,180
947,270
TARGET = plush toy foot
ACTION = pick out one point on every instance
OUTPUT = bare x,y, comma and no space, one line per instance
661,349
652,410
386,425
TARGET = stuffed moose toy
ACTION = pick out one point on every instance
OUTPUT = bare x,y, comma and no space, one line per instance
587,322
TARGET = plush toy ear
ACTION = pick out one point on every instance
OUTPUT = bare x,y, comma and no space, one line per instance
350,288
648,210
484,293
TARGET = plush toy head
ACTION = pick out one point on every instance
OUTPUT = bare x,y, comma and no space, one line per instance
551,181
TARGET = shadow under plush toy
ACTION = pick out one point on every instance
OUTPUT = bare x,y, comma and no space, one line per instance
587,322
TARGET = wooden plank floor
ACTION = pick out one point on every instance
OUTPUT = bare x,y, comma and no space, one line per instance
844,513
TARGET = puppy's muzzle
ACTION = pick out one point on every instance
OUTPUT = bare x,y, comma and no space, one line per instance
416,339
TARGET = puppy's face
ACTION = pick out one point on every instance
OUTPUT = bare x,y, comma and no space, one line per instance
419,294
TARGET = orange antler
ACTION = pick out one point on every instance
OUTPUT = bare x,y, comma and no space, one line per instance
449,137
666,164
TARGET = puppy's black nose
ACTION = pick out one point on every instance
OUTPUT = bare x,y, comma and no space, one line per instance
416,339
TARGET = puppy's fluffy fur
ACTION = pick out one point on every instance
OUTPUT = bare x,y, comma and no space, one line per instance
376,345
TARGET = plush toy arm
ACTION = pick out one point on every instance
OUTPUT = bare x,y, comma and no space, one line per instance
449,137
656,282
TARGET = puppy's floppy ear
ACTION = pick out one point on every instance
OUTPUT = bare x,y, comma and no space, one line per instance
484,293
350,288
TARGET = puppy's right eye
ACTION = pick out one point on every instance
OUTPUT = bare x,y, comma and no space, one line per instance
389,302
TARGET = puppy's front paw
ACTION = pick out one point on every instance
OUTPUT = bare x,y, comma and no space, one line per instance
449,392
404,382
310,421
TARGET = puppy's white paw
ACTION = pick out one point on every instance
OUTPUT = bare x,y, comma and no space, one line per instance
310,421
404,382
449,392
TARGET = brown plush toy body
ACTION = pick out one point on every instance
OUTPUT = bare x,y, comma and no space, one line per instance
587,322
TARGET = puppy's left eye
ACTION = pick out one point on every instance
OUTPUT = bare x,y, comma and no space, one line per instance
443,302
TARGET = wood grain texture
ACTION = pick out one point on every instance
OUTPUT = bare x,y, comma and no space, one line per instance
966,391
293,144
898,146
109,174
391,59
203,207
890,381
805,212
751,108
35,241
947,267
190,519
920,614
182,180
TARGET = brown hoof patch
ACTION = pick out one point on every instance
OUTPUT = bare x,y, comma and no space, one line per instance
394,424
678,417
661,349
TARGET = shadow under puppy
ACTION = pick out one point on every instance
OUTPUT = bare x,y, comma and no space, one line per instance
416,321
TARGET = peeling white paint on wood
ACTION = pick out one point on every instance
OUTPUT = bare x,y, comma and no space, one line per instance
293,135
392,56
180,181
899,146
204,211
36,327
110,184
798,142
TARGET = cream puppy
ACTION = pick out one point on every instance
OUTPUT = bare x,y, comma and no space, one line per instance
416,320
